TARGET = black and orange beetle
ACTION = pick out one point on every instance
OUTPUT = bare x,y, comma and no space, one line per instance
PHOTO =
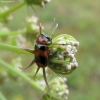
41,52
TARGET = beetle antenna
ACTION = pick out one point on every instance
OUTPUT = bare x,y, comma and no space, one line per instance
52,26
33,61
52,29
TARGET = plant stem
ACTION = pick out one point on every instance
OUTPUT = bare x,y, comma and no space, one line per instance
58,61
21,74
6,13
13,49
2,97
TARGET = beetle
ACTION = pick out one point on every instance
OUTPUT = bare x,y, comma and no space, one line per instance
41,52
41,49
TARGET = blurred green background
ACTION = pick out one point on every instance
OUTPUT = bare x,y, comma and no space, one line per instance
79,18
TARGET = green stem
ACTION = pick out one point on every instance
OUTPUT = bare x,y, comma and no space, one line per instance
12,33
13,49
6,13
2,97
58,61
21,74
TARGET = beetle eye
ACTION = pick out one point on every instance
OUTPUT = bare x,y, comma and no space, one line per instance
49,38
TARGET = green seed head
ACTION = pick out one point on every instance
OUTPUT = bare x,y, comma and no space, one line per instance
62,60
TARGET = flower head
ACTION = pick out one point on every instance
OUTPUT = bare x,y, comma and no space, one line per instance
58,89
62,58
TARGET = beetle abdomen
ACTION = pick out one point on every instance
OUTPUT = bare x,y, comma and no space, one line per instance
41,61
41,55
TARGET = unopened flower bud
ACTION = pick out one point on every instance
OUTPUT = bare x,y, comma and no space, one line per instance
76,44
68,67
62,59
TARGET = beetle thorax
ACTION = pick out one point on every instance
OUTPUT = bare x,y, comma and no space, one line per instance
43,39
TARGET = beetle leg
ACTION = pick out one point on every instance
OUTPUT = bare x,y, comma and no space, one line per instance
28,65
36,72
28,50
44,75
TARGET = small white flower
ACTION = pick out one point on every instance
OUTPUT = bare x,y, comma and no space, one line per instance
32,19
71,56
74,59
60,57
74,65
67,92
68,67
76,44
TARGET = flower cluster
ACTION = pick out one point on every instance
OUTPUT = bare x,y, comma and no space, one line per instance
58,89
32,24
32,29
62,59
